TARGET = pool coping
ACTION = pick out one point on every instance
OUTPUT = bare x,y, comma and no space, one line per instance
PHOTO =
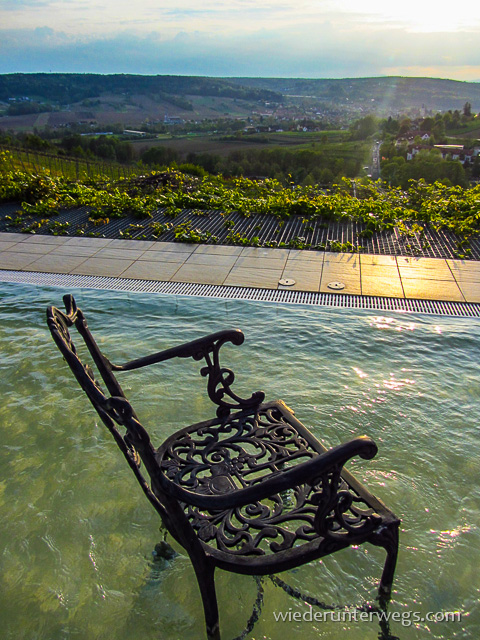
300,273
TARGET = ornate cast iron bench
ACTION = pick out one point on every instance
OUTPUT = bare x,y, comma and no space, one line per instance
251,491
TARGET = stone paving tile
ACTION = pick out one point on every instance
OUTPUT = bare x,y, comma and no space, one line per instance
75,250
44,239
120,254
28,247
371,259
218,249
304,280
13,260
212,259
6,245
131,244
380,270
102,267
351,281
464,266
312,266
208,275
432,289
147,270
155,255
466,276
422,263
351,260
176,247
253,262
441,272
246,277
265,252
470,290
55,263
13,237
98,243
338,271
310,256
384,286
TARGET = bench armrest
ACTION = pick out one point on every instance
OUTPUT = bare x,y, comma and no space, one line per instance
312,472
220,378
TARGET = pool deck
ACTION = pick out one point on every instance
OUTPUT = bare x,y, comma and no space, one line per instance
360,274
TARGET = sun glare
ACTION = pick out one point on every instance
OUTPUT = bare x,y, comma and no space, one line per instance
418,17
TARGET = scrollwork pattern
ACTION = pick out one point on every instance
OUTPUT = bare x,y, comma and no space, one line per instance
222,458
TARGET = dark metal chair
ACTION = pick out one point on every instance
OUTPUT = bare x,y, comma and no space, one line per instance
251,491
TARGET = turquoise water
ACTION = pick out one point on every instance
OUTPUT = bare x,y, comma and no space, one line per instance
77,533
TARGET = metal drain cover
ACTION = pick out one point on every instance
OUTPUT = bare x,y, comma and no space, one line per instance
287,282
336,285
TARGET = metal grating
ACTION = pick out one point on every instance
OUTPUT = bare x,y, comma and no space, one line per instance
434,307
266,228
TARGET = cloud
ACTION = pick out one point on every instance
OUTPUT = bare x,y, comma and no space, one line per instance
327,49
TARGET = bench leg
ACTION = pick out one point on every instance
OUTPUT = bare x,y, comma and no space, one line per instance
206,583
389,542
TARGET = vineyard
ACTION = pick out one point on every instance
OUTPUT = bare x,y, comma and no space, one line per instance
354,215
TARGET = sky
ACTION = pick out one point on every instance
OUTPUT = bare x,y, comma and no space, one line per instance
253,38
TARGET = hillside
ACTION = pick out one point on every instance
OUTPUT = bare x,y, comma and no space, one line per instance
390,93
187,94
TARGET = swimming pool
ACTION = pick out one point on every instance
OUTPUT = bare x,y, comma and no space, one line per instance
77,534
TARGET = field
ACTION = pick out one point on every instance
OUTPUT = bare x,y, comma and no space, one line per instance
331,143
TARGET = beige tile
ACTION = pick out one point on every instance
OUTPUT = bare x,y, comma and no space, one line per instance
461,275
156,255
303,255
345,259
12,260
53,263
102,267
219,249
176,247
350,280
379,270
207,275
390,287
245,277
441,272
337,271
145,270
470,290
422,263
373,259
464,265
119,254
304,280
265,252
211,259
131,244
75,250
29,247
4,245
41,239
12,237
313,266
83,241
254,262
432,289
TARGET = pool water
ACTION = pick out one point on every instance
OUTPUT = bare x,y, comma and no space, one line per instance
77,533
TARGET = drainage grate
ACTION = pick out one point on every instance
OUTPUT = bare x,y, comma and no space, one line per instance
436,307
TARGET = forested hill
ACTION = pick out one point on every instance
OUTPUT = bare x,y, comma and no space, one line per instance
371,94
393,92
66,88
